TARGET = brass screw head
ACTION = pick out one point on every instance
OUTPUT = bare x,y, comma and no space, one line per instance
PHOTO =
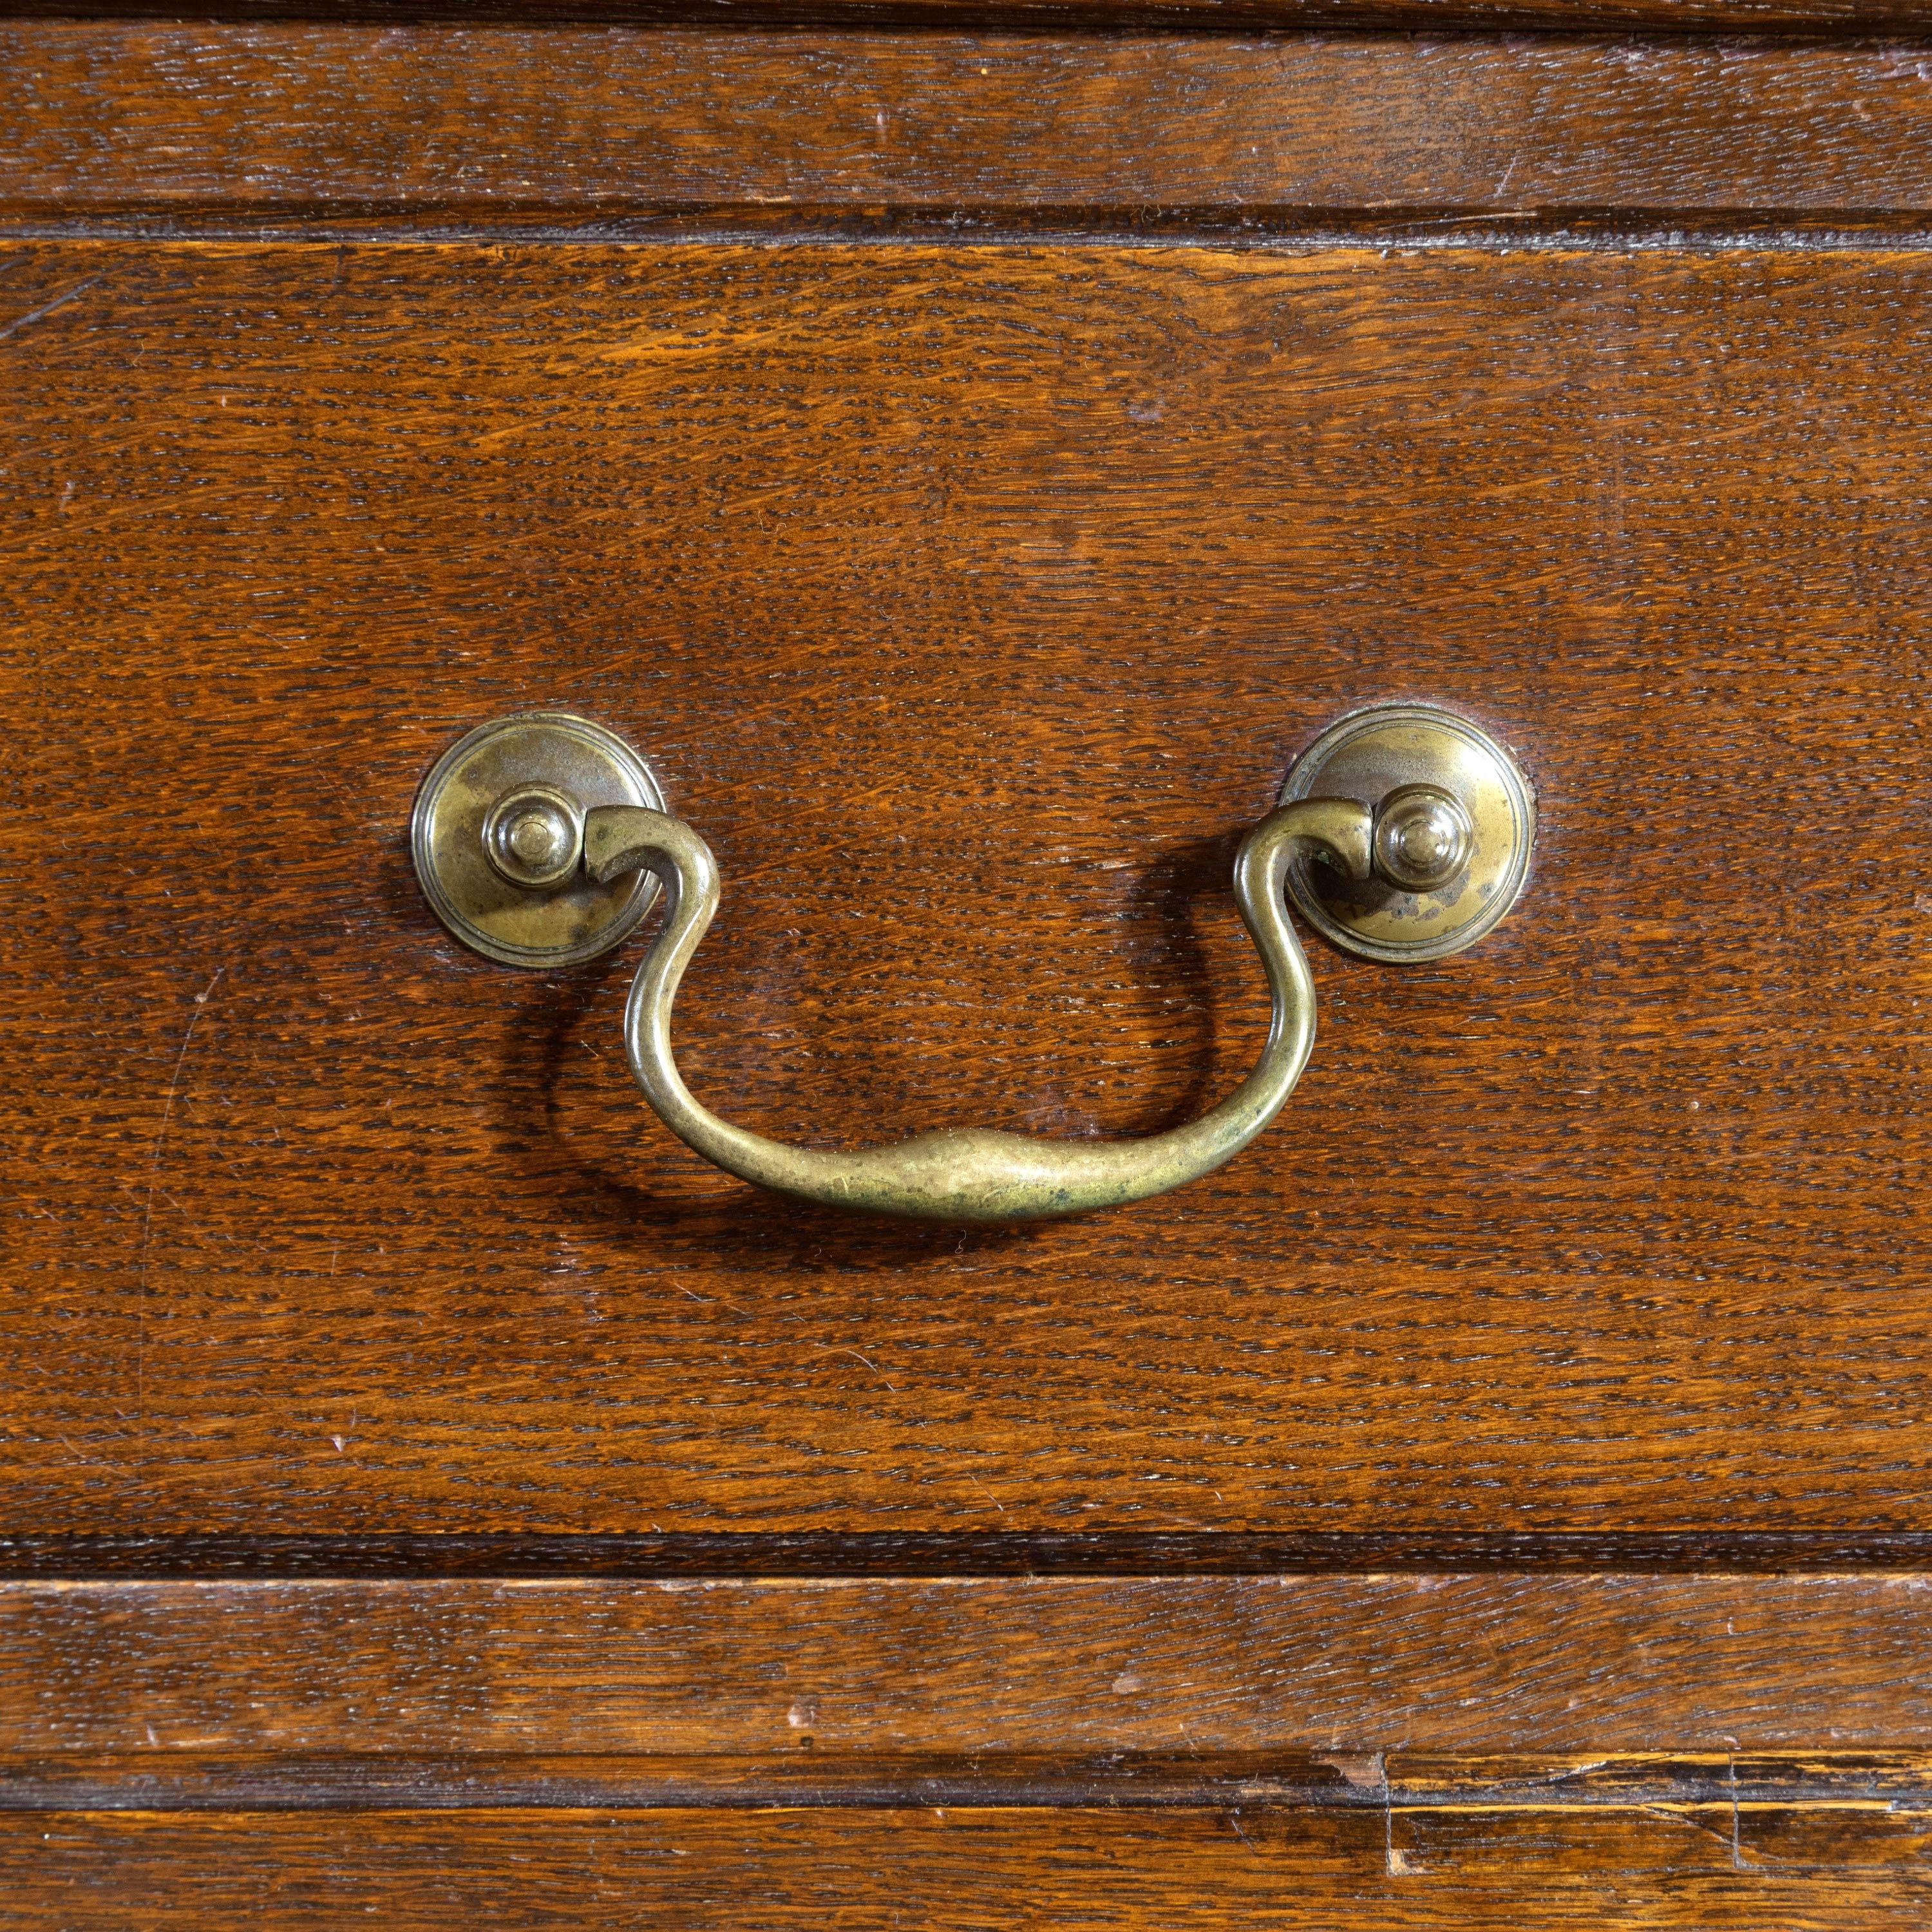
1422,838
534,837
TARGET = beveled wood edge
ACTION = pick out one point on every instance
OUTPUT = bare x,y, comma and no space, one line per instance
596,1691
1779,18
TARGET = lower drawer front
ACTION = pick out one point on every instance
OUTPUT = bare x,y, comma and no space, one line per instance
954,1869
1199,1751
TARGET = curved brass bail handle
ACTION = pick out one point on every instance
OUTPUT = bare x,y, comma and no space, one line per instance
975,1174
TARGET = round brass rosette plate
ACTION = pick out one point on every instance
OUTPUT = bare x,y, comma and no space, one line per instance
497,836
1388,753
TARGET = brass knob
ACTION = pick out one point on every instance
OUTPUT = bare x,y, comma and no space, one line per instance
1455,821
534,837
1423,838
497,835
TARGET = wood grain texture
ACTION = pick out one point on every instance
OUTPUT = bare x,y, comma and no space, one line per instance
121,121
971,604
1810,18
993,1675
971,599
947,1868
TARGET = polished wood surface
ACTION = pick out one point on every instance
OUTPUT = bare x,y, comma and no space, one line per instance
159,122
150,1687
970,489
971,607
1638,1867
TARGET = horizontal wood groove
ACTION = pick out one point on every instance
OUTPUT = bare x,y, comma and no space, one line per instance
1281,231
116,120
892,1554
1390,1782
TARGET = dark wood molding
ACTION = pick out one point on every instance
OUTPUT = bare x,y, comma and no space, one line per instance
404,1557
1381,1783
1275,231
1806,19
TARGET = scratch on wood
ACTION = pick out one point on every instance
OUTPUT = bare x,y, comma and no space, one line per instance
46,308
201,999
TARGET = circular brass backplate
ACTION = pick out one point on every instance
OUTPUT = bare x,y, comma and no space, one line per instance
546,769
1370,755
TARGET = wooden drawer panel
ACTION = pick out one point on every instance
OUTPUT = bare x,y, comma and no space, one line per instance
946,1869
971,602
502,122
1152,1751
971,465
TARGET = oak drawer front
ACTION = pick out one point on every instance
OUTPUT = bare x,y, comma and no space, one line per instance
972,601
972,467
948,1869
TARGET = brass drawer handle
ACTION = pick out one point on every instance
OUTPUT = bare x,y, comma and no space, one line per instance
975,1174
520,867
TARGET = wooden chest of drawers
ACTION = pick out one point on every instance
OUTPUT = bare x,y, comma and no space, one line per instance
970,457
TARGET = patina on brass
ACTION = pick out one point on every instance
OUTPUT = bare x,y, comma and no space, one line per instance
541,839
1455,821
497,835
